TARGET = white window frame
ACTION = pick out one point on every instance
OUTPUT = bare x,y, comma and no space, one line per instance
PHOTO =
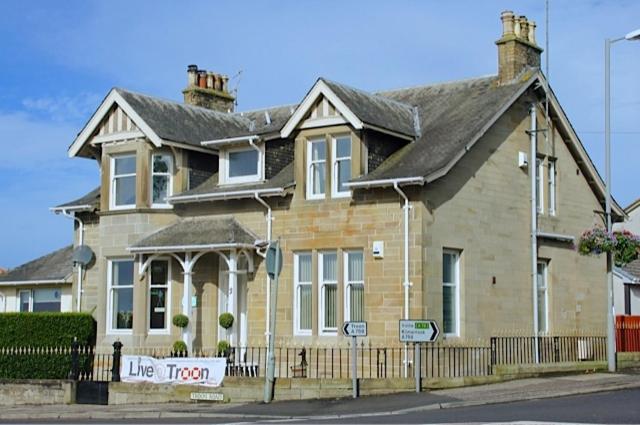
348,283
110,329
296,287
540,185
309,166
456,285
19,303
242,179
545,289
167,317
334,165
112,200
168,174
553,206
322,330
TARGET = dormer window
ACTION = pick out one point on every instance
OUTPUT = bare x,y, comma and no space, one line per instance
123,181
161,179
242,165
341,159
316,168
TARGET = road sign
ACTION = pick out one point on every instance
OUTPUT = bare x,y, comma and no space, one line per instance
418,330
272,251
354,329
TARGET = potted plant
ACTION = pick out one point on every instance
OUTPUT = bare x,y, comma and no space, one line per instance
180,320
226,320
180,349
624,245
223,348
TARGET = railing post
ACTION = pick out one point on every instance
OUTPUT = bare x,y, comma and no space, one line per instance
75,360
493,351
117,353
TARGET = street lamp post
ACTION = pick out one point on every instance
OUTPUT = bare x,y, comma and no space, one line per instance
634,35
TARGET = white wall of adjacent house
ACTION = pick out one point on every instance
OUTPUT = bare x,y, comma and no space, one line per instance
619,299
632,223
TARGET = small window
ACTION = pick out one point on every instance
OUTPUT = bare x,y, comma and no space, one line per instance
159,296
25,301
123,181
46,299
316,168
341,159
161,179
354,286
539,185
120,290
303,307
552,187
243,165
543,311
451,292
328,279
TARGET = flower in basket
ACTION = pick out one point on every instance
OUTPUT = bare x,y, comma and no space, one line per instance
624,245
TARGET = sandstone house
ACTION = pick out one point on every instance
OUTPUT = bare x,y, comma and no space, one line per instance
417,202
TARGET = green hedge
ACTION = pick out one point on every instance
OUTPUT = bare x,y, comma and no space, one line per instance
46,329
40,365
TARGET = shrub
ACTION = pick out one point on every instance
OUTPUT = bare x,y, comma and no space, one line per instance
223,348
180,320
179,347
226,320
46,329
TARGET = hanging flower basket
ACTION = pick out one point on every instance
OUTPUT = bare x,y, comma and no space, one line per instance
624,245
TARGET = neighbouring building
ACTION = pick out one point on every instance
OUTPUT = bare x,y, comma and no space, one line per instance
457,202
626,280
43,284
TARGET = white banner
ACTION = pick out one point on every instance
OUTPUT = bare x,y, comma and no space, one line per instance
207,371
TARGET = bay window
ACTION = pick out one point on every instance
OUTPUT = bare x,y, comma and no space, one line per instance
303,307
328,286
159,296
161,179
123,181
341,160
120,296
316,168
354,286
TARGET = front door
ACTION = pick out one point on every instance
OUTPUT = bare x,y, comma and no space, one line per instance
235,304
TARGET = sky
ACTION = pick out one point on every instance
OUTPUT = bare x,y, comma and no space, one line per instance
59,59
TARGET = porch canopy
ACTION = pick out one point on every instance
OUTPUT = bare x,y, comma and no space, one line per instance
189,239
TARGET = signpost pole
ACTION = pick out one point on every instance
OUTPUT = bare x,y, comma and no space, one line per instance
416,362
354,366
271,357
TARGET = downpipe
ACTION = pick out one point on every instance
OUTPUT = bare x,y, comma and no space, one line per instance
406,284
269,237
534,225
80,242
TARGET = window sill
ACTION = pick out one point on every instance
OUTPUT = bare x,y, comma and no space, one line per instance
119,332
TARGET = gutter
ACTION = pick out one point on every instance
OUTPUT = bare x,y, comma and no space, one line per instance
228,140
556,236
237,194
386,182
34,282
72,213
187,248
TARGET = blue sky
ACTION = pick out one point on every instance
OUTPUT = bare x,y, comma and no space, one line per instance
59,59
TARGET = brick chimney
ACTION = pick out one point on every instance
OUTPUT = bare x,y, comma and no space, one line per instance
208,90
517,48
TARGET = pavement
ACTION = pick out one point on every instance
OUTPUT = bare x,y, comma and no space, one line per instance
344,408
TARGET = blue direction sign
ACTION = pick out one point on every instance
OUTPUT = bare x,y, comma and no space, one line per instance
418,330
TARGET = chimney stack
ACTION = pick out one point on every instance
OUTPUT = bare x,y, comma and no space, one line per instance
208,90
517,48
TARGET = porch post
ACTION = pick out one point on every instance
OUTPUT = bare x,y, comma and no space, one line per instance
186,301
233,298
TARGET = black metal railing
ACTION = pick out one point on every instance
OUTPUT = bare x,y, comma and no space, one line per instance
550,349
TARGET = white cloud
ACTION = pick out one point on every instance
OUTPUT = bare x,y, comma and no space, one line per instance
64,108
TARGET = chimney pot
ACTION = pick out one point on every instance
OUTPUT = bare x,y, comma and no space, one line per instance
532,32
210,78
524,28
225,83
192,75
218,83
202,79
507,18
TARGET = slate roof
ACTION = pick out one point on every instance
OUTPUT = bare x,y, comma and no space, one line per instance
198,231
278,116
633,268
284,179
378,110
57,265
450,115
183,123
92,199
